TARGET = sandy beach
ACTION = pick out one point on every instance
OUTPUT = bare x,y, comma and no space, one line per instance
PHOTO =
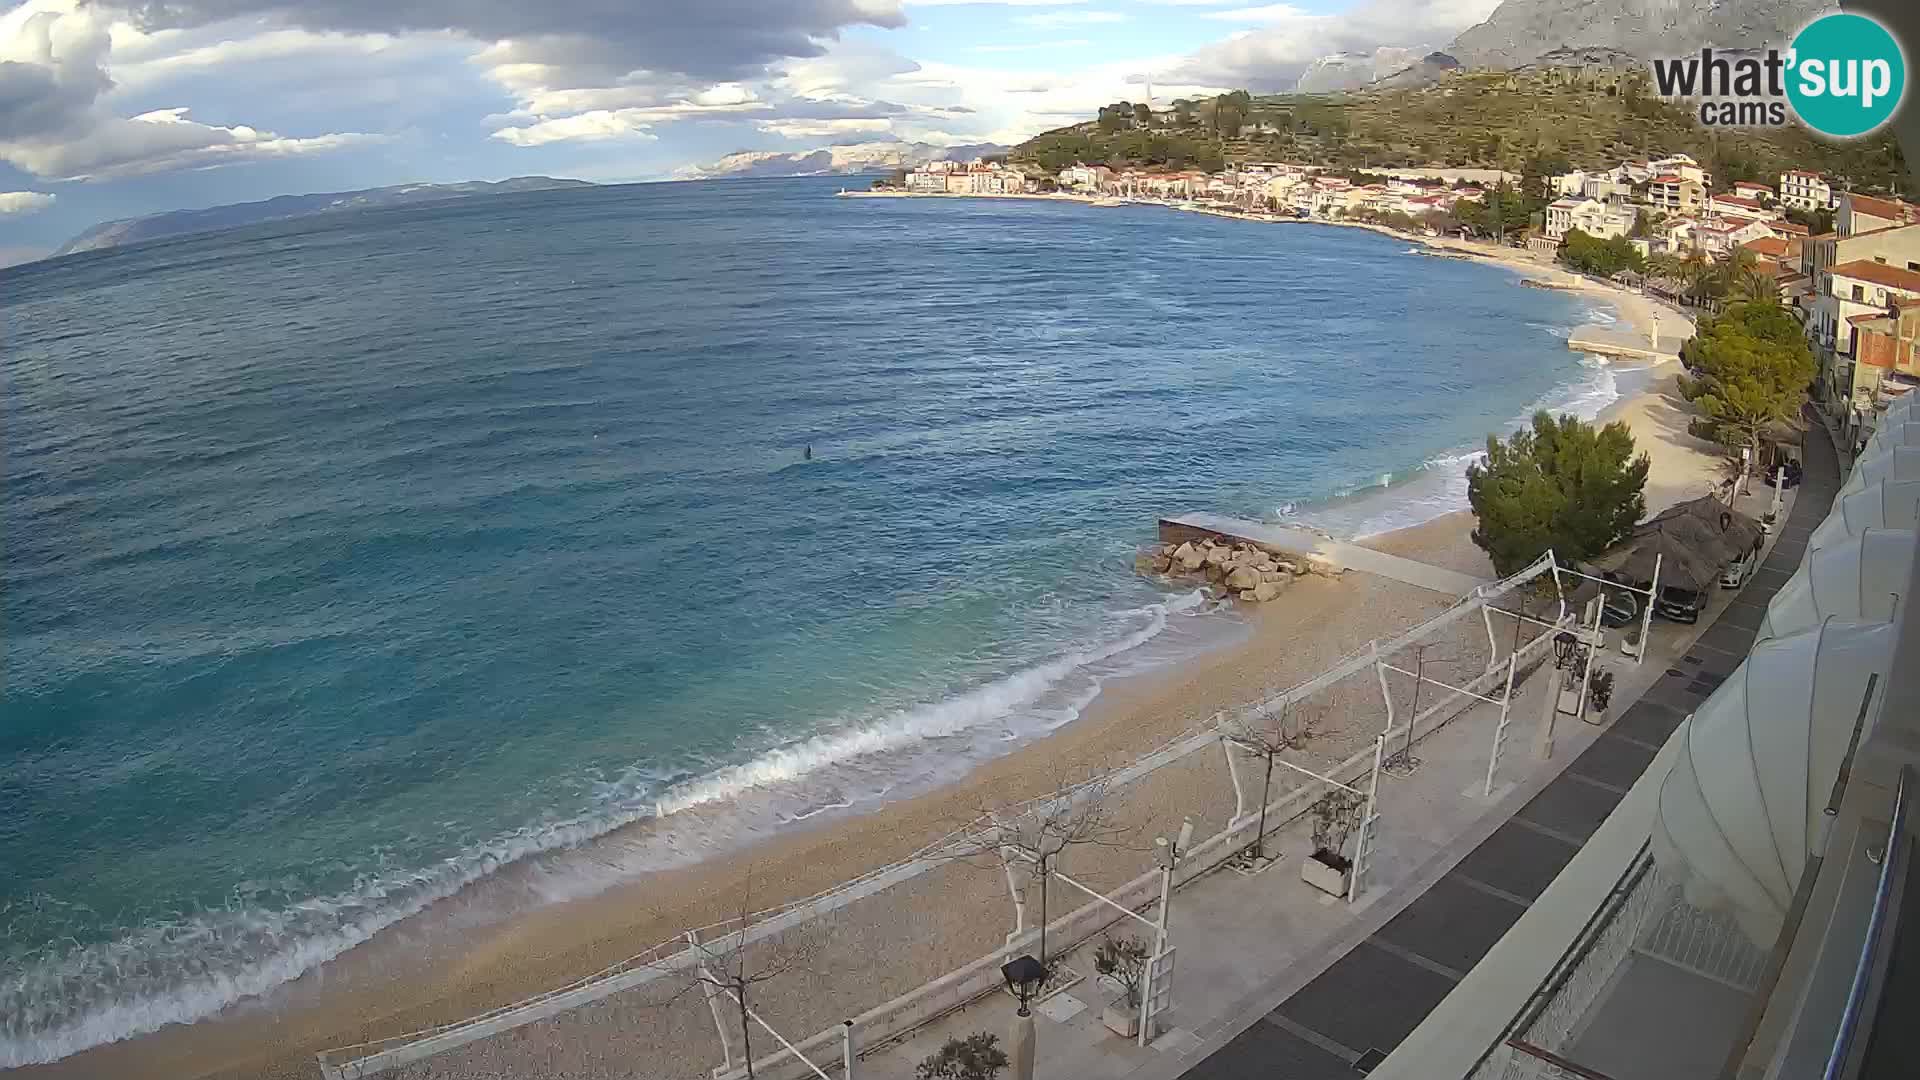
462,957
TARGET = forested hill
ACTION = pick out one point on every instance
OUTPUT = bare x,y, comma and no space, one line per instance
1467,120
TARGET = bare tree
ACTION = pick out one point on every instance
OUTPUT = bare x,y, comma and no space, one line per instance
734,966
1030,838
1267,734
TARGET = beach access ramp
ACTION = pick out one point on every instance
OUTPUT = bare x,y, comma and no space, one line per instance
1191,526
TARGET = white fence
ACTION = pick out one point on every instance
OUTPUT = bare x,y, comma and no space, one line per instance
631,1016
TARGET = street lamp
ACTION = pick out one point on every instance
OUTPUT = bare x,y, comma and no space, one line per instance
1024,975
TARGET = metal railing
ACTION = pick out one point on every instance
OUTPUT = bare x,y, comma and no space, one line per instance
1891,859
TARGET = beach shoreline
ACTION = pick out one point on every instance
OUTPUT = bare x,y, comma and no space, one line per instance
460,958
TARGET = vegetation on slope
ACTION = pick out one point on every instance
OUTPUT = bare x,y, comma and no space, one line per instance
1468,120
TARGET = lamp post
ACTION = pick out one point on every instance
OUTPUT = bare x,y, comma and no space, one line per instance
1024,975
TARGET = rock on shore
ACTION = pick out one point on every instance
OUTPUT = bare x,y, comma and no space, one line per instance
1244,570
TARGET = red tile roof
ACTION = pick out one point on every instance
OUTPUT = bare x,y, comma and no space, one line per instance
1771,246
1892,277
1891,209
1665,178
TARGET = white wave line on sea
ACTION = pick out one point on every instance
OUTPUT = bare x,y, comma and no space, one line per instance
265,949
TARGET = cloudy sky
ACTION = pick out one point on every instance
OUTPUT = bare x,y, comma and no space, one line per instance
122,107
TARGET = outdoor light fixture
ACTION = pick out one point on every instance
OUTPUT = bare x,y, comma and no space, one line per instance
1563,645
1024,975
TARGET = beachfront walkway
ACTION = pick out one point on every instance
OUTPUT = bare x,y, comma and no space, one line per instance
1277,980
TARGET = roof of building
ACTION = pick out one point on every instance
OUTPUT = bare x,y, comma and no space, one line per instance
1771,246
1892,277
1804,174
1735,200
1891,209
1750,185
1665,178
1788,227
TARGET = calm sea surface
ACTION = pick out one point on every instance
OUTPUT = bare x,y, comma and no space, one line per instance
348,560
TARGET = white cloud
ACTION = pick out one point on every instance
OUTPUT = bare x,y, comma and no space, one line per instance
55,120
1033,46
24,202
996,3
1072,18
823,129
160,141
1290,38
598,125
1267,13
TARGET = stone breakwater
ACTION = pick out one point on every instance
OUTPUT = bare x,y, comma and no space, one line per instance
1232,568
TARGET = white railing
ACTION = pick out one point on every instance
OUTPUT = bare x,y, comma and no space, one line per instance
938,995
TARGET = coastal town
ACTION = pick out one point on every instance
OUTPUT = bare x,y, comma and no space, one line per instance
1847,263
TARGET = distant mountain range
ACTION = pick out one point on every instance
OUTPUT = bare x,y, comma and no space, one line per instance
835,160
1546,33
178,222
1520,31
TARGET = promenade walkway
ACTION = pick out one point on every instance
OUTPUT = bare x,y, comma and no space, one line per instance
1352,556
1353,1013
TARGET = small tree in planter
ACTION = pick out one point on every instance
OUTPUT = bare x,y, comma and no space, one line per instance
1335,817
1124,961
976,1057
1267,736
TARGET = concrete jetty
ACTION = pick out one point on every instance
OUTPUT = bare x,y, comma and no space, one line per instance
1279,538
1607,341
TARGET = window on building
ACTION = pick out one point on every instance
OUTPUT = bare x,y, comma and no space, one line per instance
1859,292
1881,259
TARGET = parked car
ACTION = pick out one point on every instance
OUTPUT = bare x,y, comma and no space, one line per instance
1620,609
1735,573
1679,604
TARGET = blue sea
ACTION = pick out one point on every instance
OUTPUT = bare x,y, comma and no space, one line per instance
350,560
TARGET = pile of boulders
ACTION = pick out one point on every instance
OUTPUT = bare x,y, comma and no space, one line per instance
1241,569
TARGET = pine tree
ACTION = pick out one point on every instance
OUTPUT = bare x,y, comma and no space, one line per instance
1560,484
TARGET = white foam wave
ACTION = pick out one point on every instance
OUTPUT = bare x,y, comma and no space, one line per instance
988,704
59,1004
1438,485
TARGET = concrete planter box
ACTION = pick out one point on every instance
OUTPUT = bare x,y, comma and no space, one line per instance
1327,872
1121,1018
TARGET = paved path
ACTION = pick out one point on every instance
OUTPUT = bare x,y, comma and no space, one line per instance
1356,1011
1352,556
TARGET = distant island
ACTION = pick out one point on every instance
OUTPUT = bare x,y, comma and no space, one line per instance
109,234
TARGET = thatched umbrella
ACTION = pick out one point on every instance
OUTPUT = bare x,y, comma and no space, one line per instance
1680,563
1737,532
1709,543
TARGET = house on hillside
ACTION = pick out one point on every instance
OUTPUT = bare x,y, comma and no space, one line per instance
1675,194
1866,213
1740,205
1805,190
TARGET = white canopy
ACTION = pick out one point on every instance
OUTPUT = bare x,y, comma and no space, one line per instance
1742,808
1893,432
1881,505
1853,579
1887,462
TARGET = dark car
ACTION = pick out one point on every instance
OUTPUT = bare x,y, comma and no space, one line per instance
1679,604
1790,479
1620,609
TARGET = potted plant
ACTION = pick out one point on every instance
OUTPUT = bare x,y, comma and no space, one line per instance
976,1057
1335,817
1630,641
1123,962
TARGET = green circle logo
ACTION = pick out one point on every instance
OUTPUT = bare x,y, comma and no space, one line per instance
1846,75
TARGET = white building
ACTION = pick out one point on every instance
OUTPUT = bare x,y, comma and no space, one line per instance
1590,216
1805,190
1741,206
1084,176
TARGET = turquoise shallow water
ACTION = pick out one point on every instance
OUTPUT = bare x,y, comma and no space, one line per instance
352,559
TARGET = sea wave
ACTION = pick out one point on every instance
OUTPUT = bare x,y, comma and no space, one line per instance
62,1001
1438,484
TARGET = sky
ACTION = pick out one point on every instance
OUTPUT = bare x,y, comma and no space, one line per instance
117,108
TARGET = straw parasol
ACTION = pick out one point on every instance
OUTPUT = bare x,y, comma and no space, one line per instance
1679,561
1738,532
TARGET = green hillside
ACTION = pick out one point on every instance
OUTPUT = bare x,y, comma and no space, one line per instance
1476,120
